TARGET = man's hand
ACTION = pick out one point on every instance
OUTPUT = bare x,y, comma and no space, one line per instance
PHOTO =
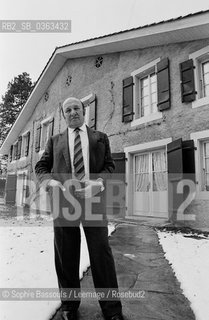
54,183
92,187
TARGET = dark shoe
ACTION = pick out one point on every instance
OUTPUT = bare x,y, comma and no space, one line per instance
117,316
69,315
57,314
64,315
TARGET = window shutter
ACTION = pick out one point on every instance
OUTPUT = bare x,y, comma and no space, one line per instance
11,152
181,167
38,138
19,146
188,92
181,159
189,159
163,85
51,128
116,184
127,111
92,114
175,160
27,144
119,159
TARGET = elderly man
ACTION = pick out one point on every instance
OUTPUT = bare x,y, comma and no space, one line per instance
83,155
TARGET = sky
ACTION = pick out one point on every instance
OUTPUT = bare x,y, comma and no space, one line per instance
29,52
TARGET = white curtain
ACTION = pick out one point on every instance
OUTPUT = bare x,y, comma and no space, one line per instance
159,171
142,173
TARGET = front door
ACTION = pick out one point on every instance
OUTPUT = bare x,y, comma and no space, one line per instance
150,184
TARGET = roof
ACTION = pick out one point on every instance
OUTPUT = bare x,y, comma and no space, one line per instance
141,27
184,28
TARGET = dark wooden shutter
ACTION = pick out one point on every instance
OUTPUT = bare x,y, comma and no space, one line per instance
11,187
120,164
19,147
181,159
93,114
175,160
189,159
127,111
27,143
51,128
181,167
38,138
163,85
117,184
188,92
11,153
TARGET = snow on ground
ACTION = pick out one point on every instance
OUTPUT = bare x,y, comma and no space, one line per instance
189,256
27,261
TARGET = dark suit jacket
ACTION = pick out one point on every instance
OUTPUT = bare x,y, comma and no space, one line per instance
55,162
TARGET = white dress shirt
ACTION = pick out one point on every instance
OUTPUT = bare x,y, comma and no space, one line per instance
85,148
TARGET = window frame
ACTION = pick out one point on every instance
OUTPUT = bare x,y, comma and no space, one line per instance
203,162
87,100
199,138
24,139
14,151
138,75
140,80
202,77
199,57
43,123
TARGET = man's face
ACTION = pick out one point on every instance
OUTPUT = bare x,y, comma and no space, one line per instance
74,113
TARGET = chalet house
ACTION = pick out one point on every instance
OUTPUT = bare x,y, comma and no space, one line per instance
148,89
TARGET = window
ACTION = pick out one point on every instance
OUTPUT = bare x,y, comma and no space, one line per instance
25,144
90,104
15,150
11,153
19,147
44,132
148,95
159,170
205,166
38,138
205,79
201,141
151,171
201,76
145,95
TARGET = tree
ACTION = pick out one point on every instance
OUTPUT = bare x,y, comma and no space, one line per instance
18,91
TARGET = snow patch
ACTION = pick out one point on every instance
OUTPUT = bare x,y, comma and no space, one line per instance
28,262
190,261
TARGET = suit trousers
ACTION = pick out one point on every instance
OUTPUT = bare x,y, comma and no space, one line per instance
67,259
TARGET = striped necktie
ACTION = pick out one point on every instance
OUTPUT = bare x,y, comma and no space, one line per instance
78,162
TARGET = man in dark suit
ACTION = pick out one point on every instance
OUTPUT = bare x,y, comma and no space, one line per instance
76,163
